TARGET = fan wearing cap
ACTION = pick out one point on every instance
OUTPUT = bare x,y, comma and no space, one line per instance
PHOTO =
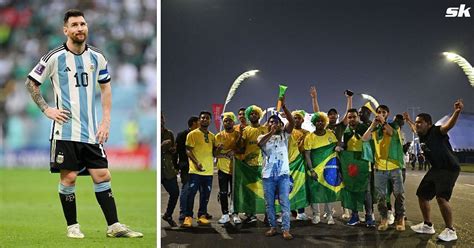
276,169
227,138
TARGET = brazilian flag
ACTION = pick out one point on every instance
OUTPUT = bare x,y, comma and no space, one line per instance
355,171
248,187
329,184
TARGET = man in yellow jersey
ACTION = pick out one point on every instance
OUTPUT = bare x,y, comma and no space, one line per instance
319,138
387,169
200,145
353,142
240,128
242,119
227,138
248,143
296,147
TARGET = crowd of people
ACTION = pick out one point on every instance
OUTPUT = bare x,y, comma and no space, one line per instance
274,145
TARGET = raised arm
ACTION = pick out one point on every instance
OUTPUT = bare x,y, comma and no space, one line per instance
314,98
291,122
368,134
458,106
408,120
59,115
348,106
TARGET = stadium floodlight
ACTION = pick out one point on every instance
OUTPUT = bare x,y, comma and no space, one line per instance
235,86
463,63
371,99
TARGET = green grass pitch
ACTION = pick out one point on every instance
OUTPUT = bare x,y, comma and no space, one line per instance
31,213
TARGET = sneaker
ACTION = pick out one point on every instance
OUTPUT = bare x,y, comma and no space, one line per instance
202,220
362,217
400,224
236,219
280,220
346,215
188,222
383,226
391,218
74,231
251,219
331,220
118,230
224,219
448,235
423,228
301,216
354,220
170,220
316,219
369,221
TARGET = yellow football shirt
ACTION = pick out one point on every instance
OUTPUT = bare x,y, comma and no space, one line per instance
253,154
296,143
202,150
382,162
229,142
313,141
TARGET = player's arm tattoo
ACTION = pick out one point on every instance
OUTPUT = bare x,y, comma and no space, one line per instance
36,94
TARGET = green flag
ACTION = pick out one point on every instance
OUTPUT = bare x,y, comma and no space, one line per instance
298,187
329,184
248,187
355,171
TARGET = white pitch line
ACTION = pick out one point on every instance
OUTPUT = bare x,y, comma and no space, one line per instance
221,231
470,185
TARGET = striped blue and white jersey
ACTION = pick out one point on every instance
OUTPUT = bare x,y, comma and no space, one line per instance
74,78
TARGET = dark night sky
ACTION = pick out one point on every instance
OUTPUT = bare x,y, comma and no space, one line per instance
387,49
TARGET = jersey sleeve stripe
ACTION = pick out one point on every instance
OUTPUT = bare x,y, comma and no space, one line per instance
106,80
50,54
34,80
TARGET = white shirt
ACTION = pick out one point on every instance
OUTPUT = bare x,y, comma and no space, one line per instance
275,154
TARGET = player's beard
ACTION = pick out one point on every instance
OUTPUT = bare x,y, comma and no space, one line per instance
78,41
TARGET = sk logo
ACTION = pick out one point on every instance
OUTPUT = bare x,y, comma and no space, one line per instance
462,11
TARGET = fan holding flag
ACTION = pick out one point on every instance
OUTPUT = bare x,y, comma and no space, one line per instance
388,157
323,166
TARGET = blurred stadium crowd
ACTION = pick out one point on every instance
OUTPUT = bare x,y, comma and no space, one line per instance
125,30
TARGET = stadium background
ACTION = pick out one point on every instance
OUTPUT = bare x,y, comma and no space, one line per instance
126,32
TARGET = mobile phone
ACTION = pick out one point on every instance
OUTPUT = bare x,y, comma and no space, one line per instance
349,92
